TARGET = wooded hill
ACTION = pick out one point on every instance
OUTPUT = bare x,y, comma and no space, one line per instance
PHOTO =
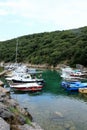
68,46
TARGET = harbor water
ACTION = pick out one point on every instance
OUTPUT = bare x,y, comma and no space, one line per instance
54,108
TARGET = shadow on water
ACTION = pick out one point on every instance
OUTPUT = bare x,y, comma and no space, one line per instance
29,93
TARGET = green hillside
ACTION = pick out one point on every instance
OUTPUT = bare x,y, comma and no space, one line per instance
68,46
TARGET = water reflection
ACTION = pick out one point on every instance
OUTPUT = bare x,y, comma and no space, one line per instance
53,87
54,108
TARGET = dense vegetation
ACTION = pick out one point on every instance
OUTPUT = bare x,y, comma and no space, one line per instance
69,46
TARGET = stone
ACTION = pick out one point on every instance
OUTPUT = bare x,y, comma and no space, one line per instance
1,83
4,125
67,125
24,111
3,90
72,128
21,119
59,114
12,102
2,95
34,126
5,112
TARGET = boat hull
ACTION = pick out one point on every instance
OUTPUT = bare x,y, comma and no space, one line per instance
83,90
41,82
27,87
73,86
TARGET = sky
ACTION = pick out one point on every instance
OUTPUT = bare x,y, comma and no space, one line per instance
25,17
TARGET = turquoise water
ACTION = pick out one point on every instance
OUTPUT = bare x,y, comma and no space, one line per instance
53,108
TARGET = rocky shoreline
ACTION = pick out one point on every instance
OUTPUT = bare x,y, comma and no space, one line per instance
13,116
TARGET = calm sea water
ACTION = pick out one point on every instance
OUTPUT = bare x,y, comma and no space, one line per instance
54,108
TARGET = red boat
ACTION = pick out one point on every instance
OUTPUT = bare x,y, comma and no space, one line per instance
27,87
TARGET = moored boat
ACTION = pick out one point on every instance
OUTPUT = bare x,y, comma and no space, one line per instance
26,87
83,90
72,74
25,78
73,85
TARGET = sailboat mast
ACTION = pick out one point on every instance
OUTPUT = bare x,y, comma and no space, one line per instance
16,51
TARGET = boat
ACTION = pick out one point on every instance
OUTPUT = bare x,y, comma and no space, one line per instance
26,87
20,73
72,74
83,90
73,85
25,78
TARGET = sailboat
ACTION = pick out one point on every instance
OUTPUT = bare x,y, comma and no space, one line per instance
21,80
16,51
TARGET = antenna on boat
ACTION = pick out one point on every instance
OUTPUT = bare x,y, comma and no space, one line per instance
16,50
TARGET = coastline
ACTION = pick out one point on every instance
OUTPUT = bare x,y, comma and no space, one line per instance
38,66
13,116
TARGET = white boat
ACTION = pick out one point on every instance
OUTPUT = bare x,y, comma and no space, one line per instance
22,74
71,74
26,87
24,78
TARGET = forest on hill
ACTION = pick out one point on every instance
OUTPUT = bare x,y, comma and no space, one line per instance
52,48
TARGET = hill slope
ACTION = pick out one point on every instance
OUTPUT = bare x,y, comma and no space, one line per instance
69,46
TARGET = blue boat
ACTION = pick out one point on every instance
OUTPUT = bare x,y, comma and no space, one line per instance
73,85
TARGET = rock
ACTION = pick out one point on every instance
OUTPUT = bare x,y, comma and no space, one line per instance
1,83
56,116
4,90
11,102
34,126
72,128
5,112
21,119
24,111
4,125
1,99
60,127
59,114
67,125
21,110
2,95
14,114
